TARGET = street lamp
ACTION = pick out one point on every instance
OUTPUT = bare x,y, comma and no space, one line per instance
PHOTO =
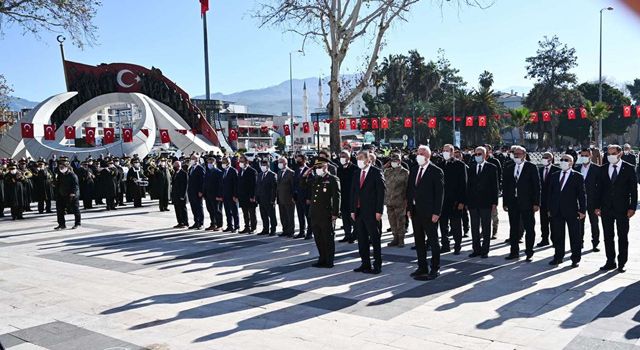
600,77
291,129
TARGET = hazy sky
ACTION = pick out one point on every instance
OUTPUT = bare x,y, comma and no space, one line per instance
168,34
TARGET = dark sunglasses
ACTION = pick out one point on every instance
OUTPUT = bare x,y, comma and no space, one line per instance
565,160
479,155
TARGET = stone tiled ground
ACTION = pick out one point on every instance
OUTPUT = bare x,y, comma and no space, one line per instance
126,280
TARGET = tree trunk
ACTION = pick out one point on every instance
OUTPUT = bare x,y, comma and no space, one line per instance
334,110
595,127
521,135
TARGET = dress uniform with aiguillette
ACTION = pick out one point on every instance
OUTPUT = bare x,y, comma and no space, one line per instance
325,207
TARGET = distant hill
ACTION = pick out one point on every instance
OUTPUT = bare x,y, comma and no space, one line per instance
18,103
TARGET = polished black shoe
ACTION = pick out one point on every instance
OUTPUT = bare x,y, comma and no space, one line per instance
419,272
375,271
433,275
317,265
344,240
473,255
299,235
529,257
555,262
76,226
621,269
595,249
507,240
245,230
308,237
445,250
263,233
511,257
363,268
575,264
228,229
58,228
608,267
542,244
484,256
456,252
194,227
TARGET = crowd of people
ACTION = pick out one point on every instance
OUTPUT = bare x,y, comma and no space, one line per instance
444,194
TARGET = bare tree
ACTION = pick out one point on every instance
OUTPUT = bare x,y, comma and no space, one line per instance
336,24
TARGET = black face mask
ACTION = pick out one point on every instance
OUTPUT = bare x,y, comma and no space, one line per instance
176,169
300,162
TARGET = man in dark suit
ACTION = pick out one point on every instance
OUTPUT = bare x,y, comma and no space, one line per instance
247,194
301,195
195,191
628,155
482,199
346,173
367,205
616,204
567,205
286,202
455,192
591,174
213,194
67,195
521,198
425,194
179,183
498,164
266,197
230,195
548,169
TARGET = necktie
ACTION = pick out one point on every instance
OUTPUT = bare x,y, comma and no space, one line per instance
479,169
564,174
362,176
614,175
518,172
419,177
546,172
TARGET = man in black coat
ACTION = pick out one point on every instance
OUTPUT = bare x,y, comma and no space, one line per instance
567,205
266,198
213,194
14,182
545,173
162,183
482,199
230,195
195,192
425,194
285,196
521,199
301,196
107,183
591,174
367,205
43,187
346,172
67,195
494,214
247,194
616,204
455,192
86,177
628,156
179,184
136,183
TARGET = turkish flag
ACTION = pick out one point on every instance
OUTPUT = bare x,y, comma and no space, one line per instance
571,113
90,135
164,136
375,123
343,124
233,134
127,135
287,130
482,120
408,122
305,127
583,113
433,122
458,119
353,122
468,121
27,130
49,132
181,131
316,126
364,124
204,7
109,136
145,132
384,123
546,116
638,111
626,111
534,117
70,132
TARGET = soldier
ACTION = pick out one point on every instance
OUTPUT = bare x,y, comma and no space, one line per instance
108,181
27,192
324,210
136,183
43,187
395,199
120,181
162,182
14,183
86,179
67,195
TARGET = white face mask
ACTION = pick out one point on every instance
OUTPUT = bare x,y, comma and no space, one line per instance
163,164
546,162
479,159
63,170
626,152
243,165
511,156
263,168
13,171
280,166
210,165
565,165
421,159
446,155
136,165
517,160
343,161
250,159
361,164
583,160
320,172
395,164
192,162
613,159
225,165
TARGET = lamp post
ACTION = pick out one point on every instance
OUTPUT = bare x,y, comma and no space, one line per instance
600,77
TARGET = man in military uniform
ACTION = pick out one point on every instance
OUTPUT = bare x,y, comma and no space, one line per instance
162,182
136,183
67,195
43,187
324,210
14,183
86,178
395,199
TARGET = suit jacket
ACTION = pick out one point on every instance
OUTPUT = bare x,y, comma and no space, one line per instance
523,193
591,183
229,183
196,180
368,199
212,184
495,161
544,185
567,201
615,198
300,192
425,199
346,176
266,188
179,183
630,158
286,178
455,182
483,188
246,185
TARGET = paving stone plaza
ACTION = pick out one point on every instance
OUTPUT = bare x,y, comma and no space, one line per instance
126,280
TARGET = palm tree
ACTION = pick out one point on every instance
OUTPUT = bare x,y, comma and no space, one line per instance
595,113
520,117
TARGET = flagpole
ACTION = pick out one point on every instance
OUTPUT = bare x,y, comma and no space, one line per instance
206,61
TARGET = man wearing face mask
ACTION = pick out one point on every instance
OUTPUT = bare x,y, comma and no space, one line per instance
494,214
213,194
521,199
14,183
567,205
324,154
43,187
482,199
162,183
266,196
425,194
67,195
545,173
179,184
195,191
616,204
136,183
86,178
367,205
324,210
591,174
346,172
286,202
247,194
301,195
108,182
457,154
230,195
455,193
628,155
396,178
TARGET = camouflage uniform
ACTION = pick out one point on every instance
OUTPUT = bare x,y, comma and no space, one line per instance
396,201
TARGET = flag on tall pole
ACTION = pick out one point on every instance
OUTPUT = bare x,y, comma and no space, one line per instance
204,7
